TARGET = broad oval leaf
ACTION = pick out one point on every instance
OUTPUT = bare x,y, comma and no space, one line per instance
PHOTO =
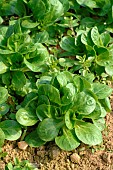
88,133
101,90
49,128
33,139
68,141
11,129
3,95
26,117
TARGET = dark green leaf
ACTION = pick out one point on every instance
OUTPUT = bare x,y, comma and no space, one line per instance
33,139
11,129
49,128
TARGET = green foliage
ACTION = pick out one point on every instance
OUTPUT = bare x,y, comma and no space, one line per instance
18,165
55,63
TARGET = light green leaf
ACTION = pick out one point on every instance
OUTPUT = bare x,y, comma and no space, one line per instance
2,137
101,90
3,67
95,36
68,141
109,70
29,24
100,123
3,95
26,117
88,133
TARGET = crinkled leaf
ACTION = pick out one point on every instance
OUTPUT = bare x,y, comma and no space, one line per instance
95,36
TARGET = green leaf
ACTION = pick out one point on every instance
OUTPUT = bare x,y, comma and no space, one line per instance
68,44
69,119
95,36
100,123
101,90
50,91
105,38
42,37
103,59
26,117
33,139
29,24
4,108
3,67
91,4
68,141
109,70
106,104
11,129
3,95
44,111
84,103
88,133
49,128
2,137
18,80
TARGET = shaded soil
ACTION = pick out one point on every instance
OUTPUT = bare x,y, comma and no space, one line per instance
50,157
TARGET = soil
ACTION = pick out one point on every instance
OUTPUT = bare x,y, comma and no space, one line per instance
50,157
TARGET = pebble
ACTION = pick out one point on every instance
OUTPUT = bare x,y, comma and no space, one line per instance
75,158
22,145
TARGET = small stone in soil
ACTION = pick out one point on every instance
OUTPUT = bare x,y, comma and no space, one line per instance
22,145
75,158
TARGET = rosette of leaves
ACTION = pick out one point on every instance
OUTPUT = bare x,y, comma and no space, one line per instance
95,56
69,110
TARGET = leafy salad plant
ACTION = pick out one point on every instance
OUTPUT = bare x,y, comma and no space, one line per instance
55,62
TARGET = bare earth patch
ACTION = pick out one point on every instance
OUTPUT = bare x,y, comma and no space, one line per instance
50,157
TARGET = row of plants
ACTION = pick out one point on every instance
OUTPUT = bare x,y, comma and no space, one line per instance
56,59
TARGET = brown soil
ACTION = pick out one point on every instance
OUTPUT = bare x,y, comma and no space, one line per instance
50,157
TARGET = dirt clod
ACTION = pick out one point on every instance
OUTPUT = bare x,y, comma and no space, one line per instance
75,158
22,145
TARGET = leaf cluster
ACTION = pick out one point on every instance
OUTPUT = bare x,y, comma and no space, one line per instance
55,61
